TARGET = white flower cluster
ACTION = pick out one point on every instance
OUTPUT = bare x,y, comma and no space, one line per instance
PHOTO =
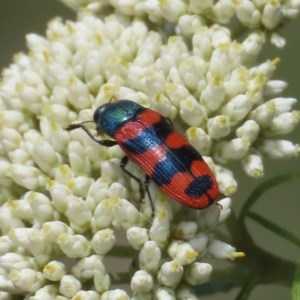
265,15
64,199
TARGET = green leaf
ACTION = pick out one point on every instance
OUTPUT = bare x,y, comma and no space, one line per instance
274,228
264,187
296,284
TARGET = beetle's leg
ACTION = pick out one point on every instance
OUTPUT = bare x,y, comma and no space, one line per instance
142,185
105,143
146,183
123,163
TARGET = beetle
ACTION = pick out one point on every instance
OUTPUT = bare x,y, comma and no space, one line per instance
150,140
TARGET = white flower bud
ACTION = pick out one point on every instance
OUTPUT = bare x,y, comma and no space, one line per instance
221,39
40,247
149,257
63,174
80,185
21,209
201,42
11,139
10,261
173,10
13,119
36,43
86,295
117,190
73,246
224,10
191,70
6,245
20,236
101,278
160,229
264,113
126,214
191,112
7,220
165,293
77,157
111,170
235,149
51,230
189,24
103,214
197,273
20,157
279,149
209,218
248,130
248,14
103,241
98,191
274,87
54,270
58,113
115,294
292,11
78,214
199,243
237,108
59,193
152,8
265,70
218,127
199,139
41,206
162,104
182,252
272,14
283,105
137,237
27,176
84,268
278,40
69,286
227,183
176,92
26,280
212,97
141,282
198,7
237,82
185,230
170,273
42,152
253,165
221,250
225,209
46,292
284,123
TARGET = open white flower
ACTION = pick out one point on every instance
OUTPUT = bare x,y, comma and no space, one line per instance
64,199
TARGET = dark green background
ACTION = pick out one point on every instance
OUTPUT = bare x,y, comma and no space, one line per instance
281,205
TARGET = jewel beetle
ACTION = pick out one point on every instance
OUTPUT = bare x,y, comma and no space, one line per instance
150,140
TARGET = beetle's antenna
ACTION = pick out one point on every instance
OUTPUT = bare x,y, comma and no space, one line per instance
78,125
82,126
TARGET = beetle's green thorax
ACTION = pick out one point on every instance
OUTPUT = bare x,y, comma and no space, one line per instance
110,116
